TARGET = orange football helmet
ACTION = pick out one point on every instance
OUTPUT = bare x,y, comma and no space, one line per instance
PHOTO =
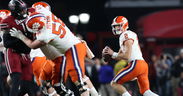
119,25
4,14
36,22
40,4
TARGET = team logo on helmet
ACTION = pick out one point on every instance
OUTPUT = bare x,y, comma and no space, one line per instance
35,26
36,22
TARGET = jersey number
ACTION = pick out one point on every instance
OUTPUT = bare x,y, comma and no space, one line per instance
58,27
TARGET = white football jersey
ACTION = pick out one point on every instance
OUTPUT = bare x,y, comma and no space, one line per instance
56,33
36,53
136,53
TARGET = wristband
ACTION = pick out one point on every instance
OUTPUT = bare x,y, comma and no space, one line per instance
114,55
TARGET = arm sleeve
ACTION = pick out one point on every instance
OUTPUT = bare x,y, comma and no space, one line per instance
45,36
128,36
9,41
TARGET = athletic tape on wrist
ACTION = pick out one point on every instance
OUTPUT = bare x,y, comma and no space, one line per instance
114,55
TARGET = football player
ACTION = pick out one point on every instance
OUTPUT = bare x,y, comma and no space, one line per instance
89,53
17,59
51,54
3,14
130,51
51,30
42,70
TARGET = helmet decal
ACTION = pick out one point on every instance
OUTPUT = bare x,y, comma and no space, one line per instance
36,22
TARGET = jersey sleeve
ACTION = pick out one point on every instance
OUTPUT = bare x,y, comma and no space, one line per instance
45,36
127,36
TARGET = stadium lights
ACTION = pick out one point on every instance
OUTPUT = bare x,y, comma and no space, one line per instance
74,19
84,18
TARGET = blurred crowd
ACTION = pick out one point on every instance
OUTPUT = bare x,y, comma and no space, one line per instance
166,74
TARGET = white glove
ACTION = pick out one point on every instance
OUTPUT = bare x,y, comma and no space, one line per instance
16,33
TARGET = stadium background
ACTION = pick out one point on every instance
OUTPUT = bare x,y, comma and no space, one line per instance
101,14
98,31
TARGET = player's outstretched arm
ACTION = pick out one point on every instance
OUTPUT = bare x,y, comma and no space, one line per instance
30,43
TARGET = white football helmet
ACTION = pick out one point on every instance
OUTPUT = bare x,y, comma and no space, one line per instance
39,5
36,22
4,13
119,25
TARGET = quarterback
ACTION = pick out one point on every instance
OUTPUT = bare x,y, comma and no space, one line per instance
130,51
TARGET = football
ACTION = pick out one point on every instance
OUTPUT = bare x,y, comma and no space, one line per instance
106,57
